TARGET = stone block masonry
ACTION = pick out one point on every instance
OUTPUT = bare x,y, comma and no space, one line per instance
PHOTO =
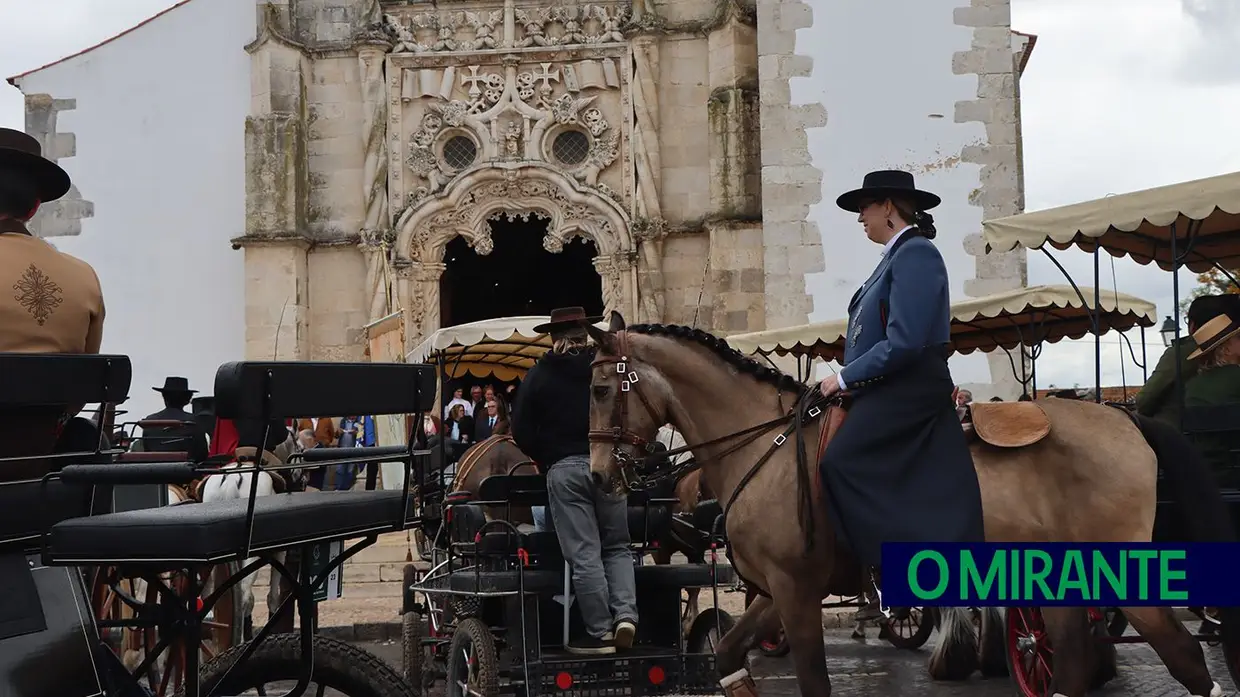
61,218
790,181
1000,189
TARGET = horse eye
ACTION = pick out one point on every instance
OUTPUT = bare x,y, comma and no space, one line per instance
600,391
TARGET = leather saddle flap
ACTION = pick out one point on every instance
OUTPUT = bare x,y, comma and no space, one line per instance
1009,424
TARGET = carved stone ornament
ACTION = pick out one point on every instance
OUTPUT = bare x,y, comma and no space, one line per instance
434,31
648,229
511,111
552,244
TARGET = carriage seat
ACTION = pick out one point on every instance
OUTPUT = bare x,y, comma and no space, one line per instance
1007,424
211,532
216,531
49,383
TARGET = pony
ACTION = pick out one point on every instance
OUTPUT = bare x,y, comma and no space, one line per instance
1091,477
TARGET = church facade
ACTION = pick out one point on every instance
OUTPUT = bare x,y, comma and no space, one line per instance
669,135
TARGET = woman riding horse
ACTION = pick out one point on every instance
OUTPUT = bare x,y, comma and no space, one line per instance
899,469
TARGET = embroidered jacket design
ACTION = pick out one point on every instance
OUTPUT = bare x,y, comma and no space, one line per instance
38,293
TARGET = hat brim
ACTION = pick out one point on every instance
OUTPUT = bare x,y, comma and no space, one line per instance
163,390
1198,353
548,327
851,200
49,178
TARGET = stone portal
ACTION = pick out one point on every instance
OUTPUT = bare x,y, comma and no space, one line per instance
519,276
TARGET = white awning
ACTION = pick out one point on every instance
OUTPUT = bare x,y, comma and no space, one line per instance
1205,212
1025,316
506,347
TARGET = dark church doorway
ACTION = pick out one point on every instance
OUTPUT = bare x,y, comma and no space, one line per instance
518,277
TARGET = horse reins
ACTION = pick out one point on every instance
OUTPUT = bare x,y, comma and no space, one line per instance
808,407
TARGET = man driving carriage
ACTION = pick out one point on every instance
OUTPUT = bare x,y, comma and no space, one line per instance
899,469
1157,397
551,423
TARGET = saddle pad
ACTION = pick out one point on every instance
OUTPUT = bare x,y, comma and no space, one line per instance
1010,424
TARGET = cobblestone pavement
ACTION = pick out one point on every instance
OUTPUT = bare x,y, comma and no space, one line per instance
875,668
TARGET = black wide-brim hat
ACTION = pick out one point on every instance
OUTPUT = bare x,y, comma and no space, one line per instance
175,385
566,318
884,183
21,152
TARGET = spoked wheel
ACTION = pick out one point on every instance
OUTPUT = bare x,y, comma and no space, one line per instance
911,632
473,667
708,629
277,664
221,630
1030,655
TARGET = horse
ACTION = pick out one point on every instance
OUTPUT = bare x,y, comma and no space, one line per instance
1092,477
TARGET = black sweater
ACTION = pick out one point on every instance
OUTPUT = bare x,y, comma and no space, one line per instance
551,419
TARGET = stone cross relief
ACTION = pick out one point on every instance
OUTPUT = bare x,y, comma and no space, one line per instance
509,112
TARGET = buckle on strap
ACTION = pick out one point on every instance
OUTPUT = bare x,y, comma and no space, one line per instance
780,440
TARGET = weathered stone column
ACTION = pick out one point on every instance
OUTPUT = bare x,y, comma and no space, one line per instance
735,162
277,184
619,279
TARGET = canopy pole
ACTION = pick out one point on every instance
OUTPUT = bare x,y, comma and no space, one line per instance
1145,363
1097,333
1175,299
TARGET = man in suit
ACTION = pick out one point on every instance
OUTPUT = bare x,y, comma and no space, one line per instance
484,424
190,438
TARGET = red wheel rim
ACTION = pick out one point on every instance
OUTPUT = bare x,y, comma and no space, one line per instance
1031,651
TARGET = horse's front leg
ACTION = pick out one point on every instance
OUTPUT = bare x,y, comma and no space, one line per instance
798,601
732,648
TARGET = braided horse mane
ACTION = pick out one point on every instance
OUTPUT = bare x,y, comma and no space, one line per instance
762,373
724,351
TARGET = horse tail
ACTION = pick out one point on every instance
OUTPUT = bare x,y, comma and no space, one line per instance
1202,514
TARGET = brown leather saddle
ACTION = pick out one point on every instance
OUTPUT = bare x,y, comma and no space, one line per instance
1007,424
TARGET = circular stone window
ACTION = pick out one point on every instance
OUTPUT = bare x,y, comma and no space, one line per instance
571,147
459,152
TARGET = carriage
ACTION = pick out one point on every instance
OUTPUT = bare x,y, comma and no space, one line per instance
1193,225
50,545
493,610
1020,320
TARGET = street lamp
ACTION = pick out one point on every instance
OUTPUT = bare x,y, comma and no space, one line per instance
1169,327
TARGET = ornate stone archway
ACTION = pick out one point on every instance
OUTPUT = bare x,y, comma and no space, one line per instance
516,189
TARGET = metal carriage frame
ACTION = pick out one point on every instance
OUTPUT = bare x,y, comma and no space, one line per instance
489,589
150,542
1193,225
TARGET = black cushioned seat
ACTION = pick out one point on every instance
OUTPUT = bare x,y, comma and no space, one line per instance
683,575
209,532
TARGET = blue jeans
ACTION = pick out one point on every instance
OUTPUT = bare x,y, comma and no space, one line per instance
345,474
540,518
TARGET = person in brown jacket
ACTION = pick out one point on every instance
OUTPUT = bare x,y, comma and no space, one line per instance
52,304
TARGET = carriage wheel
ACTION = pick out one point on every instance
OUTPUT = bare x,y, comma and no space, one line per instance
1029,651
775,648
221,630
913,631
708,629
473,667
106,601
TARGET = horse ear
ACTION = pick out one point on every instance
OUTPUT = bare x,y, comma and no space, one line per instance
617,322
605,340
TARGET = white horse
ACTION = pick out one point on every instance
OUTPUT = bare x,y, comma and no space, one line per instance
225,486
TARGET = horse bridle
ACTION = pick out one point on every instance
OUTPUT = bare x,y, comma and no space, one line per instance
633,469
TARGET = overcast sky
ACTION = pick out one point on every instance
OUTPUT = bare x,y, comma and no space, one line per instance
1120,95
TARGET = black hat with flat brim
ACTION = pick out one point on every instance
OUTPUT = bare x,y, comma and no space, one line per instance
175,385
563,318
885,183
21,152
